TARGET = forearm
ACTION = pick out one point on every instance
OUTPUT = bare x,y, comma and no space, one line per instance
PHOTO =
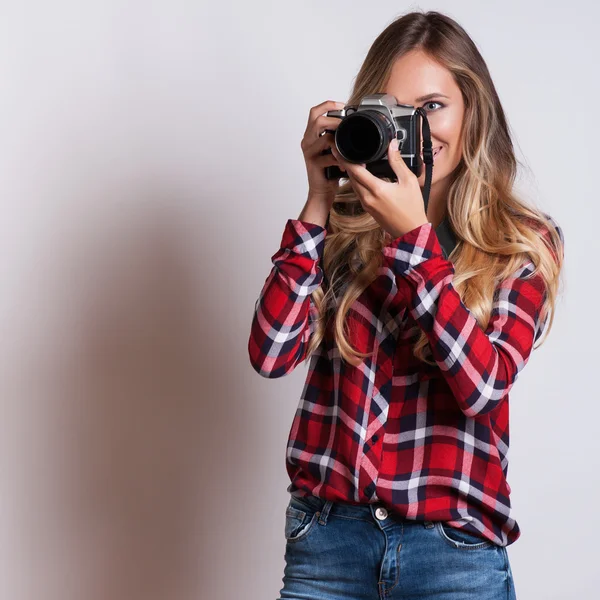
479,366
284,312
315,210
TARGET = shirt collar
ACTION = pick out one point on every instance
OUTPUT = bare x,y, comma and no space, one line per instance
446,237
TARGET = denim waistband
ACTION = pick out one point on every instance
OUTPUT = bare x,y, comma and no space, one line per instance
358,511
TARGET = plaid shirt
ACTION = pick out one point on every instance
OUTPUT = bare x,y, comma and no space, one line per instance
429,442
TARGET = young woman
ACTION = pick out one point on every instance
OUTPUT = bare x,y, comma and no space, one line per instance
397,454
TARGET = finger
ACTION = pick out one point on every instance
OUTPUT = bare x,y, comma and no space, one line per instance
321,126
315,147
318,151
359,172
321,109
396,161
361,191
350,170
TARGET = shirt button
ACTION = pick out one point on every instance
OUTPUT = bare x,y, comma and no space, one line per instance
381,513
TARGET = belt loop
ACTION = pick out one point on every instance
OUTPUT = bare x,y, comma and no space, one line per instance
324,512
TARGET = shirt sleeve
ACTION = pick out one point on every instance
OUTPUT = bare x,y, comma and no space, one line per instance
479,366
284,313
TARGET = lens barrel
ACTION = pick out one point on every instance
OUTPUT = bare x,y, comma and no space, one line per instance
364,136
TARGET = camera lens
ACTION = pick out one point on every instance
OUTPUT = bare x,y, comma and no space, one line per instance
364,136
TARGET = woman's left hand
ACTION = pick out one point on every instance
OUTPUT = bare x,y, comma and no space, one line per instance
397,206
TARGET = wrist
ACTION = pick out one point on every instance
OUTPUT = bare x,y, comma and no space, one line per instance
396,233
316,210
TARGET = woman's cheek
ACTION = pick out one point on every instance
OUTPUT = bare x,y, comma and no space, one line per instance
447,128
446,122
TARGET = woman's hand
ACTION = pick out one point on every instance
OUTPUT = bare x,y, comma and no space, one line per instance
397,206
318,137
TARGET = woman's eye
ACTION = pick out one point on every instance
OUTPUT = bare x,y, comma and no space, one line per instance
430,103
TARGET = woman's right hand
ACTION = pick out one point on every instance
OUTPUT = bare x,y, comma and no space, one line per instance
313,143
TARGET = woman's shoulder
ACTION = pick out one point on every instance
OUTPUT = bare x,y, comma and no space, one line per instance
545,227
549,223
552,222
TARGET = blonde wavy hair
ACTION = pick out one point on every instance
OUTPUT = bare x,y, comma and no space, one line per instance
496,231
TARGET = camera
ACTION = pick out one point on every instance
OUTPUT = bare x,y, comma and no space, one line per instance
366,130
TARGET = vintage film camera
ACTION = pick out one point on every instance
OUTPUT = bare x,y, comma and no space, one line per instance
366,130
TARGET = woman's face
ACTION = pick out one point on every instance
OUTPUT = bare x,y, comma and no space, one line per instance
418,80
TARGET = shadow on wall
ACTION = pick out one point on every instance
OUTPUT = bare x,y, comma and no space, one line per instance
133,428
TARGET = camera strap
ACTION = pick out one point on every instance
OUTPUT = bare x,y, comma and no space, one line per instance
444,231
427,156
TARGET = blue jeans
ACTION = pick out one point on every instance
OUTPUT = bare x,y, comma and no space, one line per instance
340,551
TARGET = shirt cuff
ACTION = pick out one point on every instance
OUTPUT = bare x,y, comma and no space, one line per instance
304,238
404,253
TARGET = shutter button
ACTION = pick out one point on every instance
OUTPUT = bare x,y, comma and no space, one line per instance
381,513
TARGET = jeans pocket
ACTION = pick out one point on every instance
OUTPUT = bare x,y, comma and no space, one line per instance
300,519
461,539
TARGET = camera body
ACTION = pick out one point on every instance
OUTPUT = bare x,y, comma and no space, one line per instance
366,130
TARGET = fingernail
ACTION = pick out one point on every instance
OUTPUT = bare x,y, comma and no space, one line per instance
394,144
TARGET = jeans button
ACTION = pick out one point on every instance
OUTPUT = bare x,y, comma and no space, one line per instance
381,513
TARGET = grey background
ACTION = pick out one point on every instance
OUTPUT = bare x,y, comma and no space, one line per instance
149,159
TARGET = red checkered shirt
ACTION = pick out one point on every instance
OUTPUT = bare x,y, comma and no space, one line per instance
429,442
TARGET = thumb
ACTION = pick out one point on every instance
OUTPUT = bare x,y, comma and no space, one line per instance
395,159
